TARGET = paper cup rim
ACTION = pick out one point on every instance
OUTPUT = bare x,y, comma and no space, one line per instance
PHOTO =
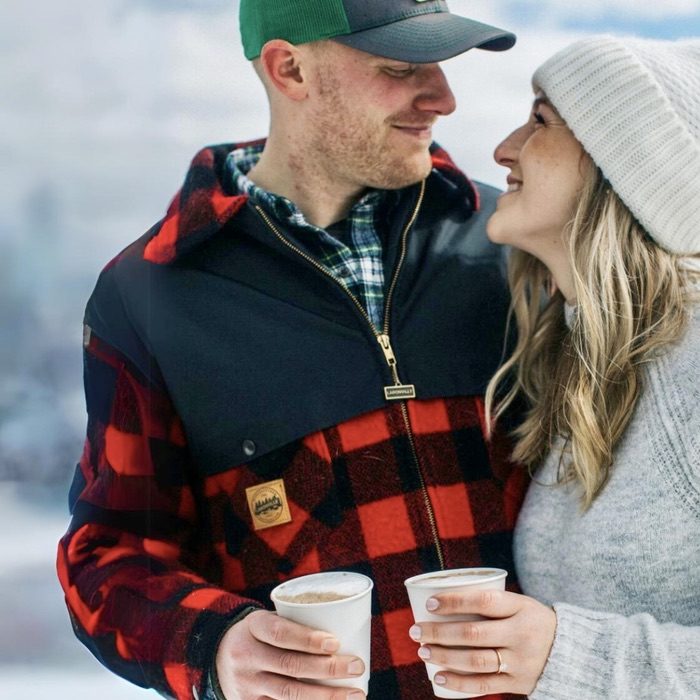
321,574
492,574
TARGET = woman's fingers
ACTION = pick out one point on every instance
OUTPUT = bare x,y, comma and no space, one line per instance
477,633
485,660
489,603
477,684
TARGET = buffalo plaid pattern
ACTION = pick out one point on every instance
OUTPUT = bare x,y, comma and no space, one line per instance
159,559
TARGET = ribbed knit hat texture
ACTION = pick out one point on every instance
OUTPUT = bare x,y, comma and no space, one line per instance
634,104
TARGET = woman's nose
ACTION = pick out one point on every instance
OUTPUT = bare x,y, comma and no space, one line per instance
507,152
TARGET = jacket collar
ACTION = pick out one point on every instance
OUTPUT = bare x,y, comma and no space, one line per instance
205,203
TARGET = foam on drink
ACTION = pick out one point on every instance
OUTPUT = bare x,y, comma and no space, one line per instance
326,588
456,579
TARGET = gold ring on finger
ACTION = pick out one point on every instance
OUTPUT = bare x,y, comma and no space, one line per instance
502,666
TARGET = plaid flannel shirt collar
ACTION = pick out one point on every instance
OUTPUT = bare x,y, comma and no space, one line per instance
241,161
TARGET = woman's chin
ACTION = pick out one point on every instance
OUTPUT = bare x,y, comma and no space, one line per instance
494,231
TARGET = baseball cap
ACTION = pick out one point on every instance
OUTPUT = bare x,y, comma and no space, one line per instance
414,31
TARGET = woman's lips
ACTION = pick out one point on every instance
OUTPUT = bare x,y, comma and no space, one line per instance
514,185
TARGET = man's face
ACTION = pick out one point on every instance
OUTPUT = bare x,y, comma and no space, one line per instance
370,118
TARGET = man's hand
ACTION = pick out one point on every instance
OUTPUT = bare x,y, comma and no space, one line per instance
264,656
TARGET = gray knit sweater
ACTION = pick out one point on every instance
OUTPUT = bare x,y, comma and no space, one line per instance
624,577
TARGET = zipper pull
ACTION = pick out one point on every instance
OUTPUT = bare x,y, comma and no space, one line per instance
385,342
399,391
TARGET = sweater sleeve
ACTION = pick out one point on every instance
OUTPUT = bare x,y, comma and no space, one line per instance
603,656
134,560
608,656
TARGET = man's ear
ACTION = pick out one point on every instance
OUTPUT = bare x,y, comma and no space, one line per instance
284,69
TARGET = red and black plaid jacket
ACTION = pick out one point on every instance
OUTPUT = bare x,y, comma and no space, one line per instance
218,360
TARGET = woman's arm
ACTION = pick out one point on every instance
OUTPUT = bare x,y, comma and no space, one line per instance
561,653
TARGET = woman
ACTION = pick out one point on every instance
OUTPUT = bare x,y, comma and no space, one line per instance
603,205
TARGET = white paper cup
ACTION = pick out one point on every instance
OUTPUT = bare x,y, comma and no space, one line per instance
424,586
348,618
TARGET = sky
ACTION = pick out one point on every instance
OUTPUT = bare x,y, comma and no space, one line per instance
103,105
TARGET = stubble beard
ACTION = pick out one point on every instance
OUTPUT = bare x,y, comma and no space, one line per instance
351,147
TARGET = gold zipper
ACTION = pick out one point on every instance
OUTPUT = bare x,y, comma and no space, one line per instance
399,391
385,342
426,497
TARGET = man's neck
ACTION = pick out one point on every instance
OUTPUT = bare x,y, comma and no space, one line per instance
321,199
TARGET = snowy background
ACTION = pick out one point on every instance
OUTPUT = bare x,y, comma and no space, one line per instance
102,105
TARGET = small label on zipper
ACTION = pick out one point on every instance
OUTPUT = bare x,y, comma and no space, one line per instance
399,392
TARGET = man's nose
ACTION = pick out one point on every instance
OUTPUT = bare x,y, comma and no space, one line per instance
508,151
435,94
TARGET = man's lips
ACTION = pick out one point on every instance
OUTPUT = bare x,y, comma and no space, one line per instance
415,129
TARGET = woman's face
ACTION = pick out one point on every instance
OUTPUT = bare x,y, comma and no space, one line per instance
547,166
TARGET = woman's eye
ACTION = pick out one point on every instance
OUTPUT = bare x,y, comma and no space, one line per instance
539,119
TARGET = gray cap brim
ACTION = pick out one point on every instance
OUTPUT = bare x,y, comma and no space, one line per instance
428,38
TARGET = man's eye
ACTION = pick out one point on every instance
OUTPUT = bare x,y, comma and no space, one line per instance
400,72
539,119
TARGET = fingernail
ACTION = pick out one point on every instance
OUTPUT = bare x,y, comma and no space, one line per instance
356,667
415,633
439,680
330,645
424,653
432,604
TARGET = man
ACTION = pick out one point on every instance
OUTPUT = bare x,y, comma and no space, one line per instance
284,375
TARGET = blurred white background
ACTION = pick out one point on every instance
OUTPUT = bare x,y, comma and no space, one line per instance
102,105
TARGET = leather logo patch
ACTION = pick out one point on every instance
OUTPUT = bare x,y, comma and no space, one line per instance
268,504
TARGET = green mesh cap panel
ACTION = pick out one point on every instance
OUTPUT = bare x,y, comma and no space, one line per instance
296,21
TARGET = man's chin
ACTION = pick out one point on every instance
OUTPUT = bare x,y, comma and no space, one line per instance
405,175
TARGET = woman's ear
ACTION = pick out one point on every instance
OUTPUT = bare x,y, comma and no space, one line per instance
281,63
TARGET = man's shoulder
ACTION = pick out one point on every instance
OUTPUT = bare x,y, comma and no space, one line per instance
106,312
126,266
133,251
202,206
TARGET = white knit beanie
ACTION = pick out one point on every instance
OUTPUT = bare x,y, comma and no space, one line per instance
634,104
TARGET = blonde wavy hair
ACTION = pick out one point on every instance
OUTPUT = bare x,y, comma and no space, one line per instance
581,383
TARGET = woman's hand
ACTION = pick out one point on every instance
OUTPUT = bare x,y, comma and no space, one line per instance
504,653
